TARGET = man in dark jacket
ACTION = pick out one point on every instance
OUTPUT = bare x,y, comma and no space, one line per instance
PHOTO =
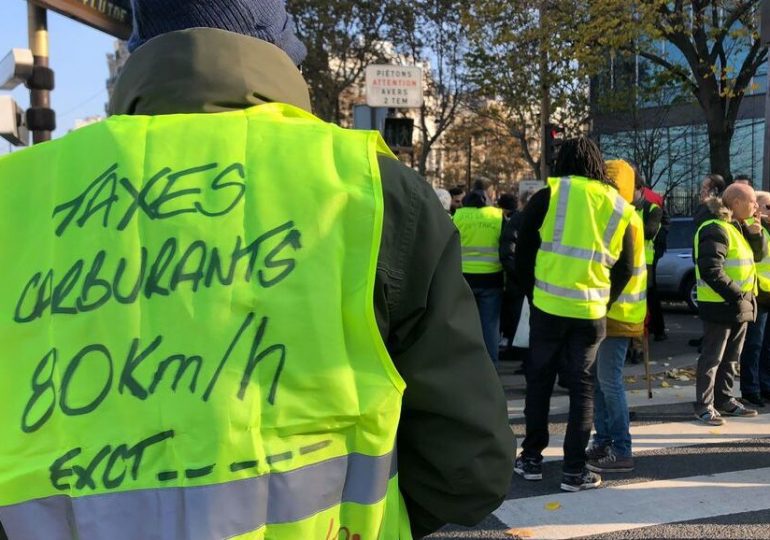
726,301
455,447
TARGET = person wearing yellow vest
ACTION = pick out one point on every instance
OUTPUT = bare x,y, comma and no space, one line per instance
574,257
755,357
221,312
480,225
652,216
610,451
726,248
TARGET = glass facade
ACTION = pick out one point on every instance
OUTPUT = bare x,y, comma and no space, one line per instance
678,157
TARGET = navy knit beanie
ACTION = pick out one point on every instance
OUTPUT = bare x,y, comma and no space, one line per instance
263,19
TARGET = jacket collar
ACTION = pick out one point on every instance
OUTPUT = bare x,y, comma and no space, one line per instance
718,209
206,70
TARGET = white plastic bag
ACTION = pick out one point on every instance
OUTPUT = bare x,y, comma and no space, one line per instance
521,338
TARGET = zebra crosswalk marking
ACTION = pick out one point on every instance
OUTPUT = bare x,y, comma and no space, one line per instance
641,504
651,437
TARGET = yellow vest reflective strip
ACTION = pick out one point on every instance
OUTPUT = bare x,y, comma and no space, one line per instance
572,267
577,294
213,511
480,254
631,305
738,264
480,230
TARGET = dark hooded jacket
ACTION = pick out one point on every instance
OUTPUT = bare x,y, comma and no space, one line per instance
711,251
455,447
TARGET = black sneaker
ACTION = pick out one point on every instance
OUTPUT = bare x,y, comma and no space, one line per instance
611,464
595,452
736,409
529,469
753,399
580,481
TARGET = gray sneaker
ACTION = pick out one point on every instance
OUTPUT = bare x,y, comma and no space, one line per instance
580,481
710,418
736,408
595,452
611,463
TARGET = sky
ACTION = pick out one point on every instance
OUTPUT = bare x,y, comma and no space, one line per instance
78,56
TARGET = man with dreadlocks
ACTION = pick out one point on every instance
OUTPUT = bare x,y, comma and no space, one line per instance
574,256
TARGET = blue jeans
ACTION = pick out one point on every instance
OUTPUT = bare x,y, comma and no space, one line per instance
753,355
489,300
610,406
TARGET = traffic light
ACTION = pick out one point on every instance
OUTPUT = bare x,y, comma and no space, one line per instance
554,136
398,132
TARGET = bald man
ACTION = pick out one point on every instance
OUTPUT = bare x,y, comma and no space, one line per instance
727,246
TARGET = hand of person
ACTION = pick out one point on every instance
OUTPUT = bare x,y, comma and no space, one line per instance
756,227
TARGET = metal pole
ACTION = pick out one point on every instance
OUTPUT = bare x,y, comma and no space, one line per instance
545,102
468,164
646,354
37,23
765,36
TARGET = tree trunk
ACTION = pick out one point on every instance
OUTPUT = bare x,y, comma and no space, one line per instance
719,150
422,162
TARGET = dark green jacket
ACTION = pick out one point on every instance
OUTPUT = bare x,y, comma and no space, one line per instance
455,447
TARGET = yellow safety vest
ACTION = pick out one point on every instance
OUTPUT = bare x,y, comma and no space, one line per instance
581,239
189,340
739,262
763,267
480,230
631,305
649,244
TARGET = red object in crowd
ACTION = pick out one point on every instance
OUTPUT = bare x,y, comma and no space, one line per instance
653,197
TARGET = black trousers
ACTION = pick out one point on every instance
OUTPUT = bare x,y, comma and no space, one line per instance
657,325
561,343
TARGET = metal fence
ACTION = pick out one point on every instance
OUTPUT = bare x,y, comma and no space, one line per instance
681,204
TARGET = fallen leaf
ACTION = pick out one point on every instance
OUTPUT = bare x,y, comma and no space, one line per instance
519,533
664,384
715,432
631,380
683,378
552,506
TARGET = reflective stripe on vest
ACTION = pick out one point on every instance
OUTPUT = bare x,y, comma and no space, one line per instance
480,230
188,352
631,305
738,264
581,238
212,511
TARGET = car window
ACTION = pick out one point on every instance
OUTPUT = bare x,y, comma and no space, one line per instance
680,234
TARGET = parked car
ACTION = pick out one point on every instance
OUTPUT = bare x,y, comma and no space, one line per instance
676,270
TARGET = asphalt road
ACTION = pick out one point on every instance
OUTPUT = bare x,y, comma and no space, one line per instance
731,474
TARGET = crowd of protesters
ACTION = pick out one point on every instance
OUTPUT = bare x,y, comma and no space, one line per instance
582,254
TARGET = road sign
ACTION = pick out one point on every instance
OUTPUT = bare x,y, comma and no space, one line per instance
110,16
393,86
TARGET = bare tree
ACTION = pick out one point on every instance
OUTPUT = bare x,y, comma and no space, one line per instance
432,33
342,38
